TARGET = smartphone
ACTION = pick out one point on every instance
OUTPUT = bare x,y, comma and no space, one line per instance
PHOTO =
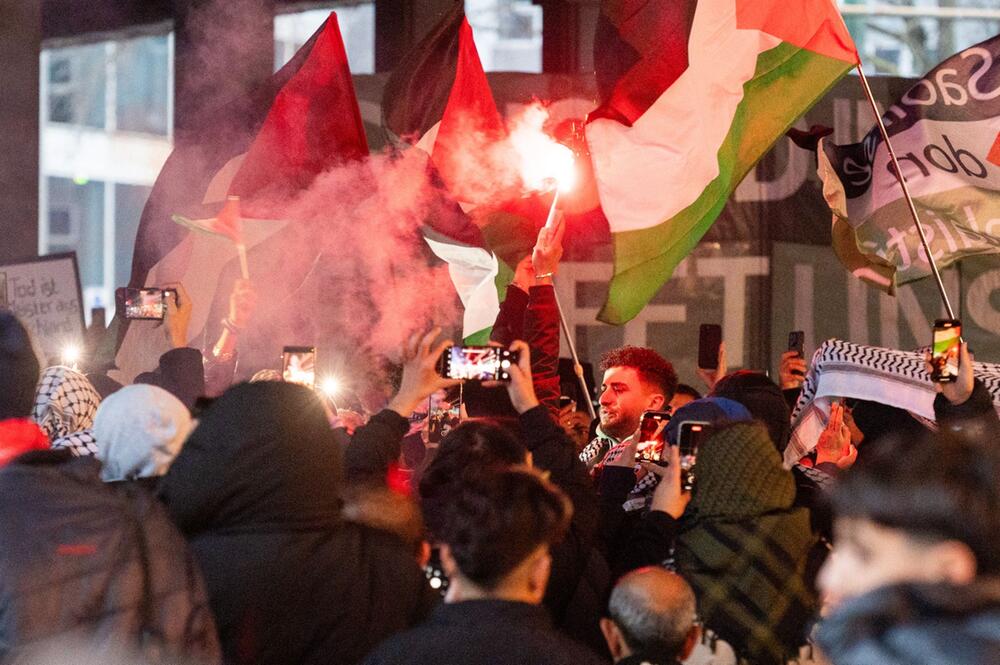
144,304
945,349
476,363
709,340
298,365
796,343
690,436
652,435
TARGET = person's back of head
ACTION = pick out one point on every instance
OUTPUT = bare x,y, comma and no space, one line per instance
139,430
19,368
470,448
652,616
922,508
763,398
262,455
496,533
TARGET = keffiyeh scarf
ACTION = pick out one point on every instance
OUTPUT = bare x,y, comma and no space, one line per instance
888,376
65,404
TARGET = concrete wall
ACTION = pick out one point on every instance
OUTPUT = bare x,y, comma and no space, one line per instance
20,40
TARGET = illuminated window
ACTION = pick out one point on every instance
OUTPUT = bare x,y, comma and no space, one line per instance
357,27
508,34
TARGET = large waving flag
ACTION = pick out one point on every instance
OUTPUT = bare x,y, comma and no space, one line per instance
440,102
694,93
946,132
263,148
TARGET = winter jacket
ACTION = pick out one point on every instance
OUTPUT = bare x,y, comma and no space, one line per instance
256,489
483,632
580,581
100,566
916,624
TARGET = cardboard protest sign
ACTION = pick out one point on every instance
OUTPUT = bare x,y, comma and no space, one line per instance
44,293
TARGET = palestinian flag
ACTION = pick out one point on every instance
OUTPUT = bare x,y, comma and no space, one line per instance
693,94
263,148
946,132
439,102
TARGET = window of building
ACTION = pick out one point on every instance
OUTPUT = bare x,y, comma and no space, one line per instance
910,37
106,130
357,27
508,34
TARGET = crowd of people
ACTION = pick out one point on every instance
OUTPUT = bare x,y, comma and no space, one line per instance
192,518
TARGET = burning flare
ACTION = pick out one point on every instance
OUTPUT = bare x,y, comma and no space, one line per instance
544,163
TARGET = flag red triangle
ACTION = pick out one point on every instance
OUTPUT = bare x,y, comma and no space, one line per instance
313,124
815,25
470,124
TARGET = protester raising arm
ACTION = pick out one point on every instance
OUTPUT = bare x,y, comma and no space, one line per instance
630,541
377,444
965,402
541,323
573,563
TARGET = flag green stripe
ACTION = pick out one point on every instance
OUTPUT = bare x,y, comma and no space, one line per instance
787,81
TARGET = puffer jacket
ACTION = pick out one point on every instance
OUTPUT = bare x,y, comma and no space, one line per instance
916,624
100,567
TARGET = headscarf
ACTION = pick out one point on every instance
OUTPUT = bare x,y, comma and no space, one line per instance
139,430
65,405
744,548
262,457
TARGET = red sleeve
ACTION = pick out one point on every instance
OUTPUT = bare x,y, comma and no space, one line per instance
541,330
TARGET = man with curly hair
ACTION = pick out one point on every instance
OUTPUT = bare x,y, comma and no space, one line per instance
636,379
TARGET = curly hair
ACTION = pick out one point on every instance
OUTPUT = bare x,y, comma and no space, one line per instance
653,369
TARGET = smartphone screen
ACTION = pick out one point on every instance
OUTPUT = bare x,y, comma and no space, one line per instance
477,363
691,435
144,304
709,340
298,365
796,342
652,435
945,349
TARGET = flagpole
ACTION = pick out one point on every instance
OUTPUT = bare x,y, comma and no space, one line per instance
906,190
577,367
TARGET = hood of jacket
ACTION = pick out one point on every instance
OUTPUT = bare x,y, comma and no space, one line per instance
139,431
916,623
263,457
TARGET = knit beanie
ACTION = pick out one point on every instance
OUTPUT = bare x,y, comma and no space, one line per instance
18,368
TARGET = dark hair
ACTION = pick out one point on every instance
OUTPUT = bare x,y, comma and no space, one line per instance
19,368
652,368
685,389
763,399
473,447
496,519
934,487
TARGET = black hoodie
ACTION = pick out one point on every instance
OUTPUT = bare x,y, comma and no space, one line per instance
256,491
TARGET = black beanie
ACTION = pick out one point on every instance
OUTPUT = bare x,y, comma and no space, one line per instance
19,369
763,399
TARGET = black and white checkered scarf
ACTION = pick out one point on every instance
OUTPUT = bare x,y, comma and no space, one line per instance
65,404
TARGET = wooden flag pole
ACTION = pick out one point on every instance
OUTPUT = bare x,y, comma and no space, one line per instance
906,190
